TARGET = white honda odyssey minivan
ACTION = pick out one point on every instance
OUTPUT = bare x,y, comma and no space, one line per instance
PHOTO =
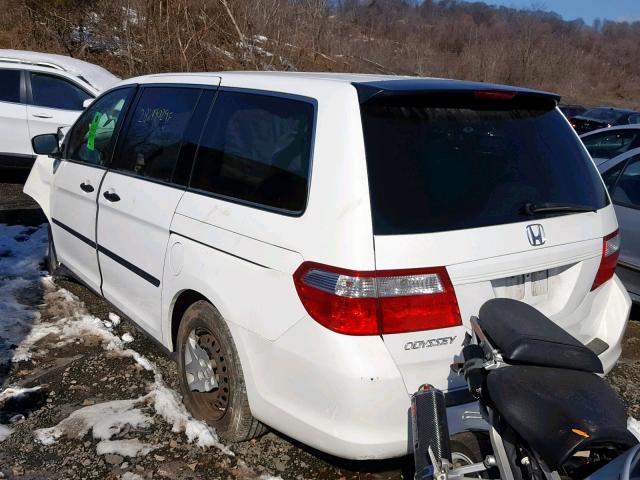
312,246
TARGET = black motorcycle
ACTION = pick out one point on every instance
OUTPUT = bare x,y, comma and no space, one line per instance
548,413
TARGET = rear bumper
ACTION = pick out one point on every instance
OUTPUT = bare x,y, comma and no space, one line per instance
614,304
340,394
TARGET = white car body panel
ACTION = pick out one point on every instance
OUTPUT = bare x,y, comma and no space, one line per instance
145,249
13,123
78,254
47,120
345,395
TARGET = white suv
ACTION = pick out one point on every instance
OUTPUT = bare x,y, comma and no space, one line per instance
40,92
312,246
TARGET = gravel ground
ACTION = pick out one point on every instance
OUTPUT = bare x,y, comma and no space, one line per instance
11,196
84,373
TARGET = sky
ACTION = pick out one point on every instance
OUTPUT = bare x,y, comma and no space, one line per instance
588,10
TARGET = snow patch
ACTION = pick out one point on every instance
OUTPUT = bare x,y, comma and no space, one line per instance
15,392
22,250
127,338
104,419
5,432
114,319
634,426
127,448
108,419
131,476
168,405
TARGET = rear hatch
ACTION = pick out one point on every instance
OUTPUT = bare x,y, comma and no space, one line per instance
493,190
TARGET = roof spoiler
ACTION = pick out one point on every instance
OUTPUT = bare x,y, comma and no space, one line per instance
368,91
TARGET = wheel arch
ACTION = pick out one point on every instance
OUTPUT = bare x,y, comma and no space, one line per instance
182,302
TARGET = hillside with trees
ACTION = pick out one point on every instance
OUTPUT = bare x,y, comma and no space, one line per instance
589,64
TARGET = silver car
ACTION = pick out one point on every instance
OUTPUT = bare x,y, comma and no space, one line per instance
621,175
607,143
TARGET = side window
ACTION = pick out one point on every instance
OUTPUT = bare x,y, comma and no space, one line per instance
256,148
54,92
610,144
635,118
611,176
627,189
91,139
10,86
154,135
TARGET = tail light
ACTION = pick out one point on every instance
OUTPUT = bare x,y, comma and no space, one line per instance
379,302
497,95
609,260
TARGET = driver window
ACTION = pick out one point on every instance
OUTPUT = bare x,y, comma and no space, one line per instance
92,138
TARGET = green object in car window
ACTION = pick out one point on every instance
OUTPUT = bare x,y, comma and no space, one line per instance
93,128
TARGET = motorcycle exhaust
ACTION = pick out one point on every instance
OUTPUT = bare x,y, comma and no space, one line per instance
430,432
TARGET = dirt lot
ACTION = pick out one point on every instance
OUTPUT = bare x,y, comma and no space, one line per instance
11,196
76,371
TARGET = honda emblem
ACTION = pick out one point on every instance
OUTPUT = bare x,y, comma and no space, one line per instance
535,234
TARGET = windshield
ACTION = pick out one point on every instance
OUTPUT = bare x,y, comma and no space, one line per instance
603,114
439,168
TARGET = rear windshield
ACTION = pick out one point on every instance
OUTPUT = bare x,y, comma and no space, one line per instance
434,167
603,115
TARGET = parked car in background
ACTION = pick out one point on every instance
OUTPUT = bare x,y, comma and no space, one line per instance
312,246
607,143
40,92
572,110
621,175
603,117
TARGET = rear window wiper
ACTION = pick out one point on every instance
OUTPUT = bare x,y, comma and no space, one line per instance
548,207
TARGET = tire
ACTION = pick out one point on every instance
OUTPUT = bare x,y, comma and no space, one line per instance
471,447
225,408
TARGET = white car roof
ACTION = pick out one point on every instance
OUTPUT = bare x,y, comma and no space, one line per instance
632,126
96,76
316,84
228,75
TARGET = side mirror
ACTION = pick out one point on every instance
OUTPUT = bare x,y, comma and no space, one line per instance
87,102
46,144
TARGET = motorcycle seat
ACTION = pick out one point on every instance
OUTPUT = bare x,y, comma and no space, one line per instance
558,412
523,335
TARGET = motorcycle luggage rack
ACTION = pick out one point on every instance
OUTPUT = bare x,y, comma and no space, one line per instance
492,354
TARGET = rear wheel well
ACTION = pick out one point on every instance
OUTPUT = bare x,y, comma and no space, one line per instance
185,300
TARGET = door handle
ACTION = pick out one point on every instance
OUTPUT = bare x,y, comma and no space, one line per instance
42,115
87,187
111,196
